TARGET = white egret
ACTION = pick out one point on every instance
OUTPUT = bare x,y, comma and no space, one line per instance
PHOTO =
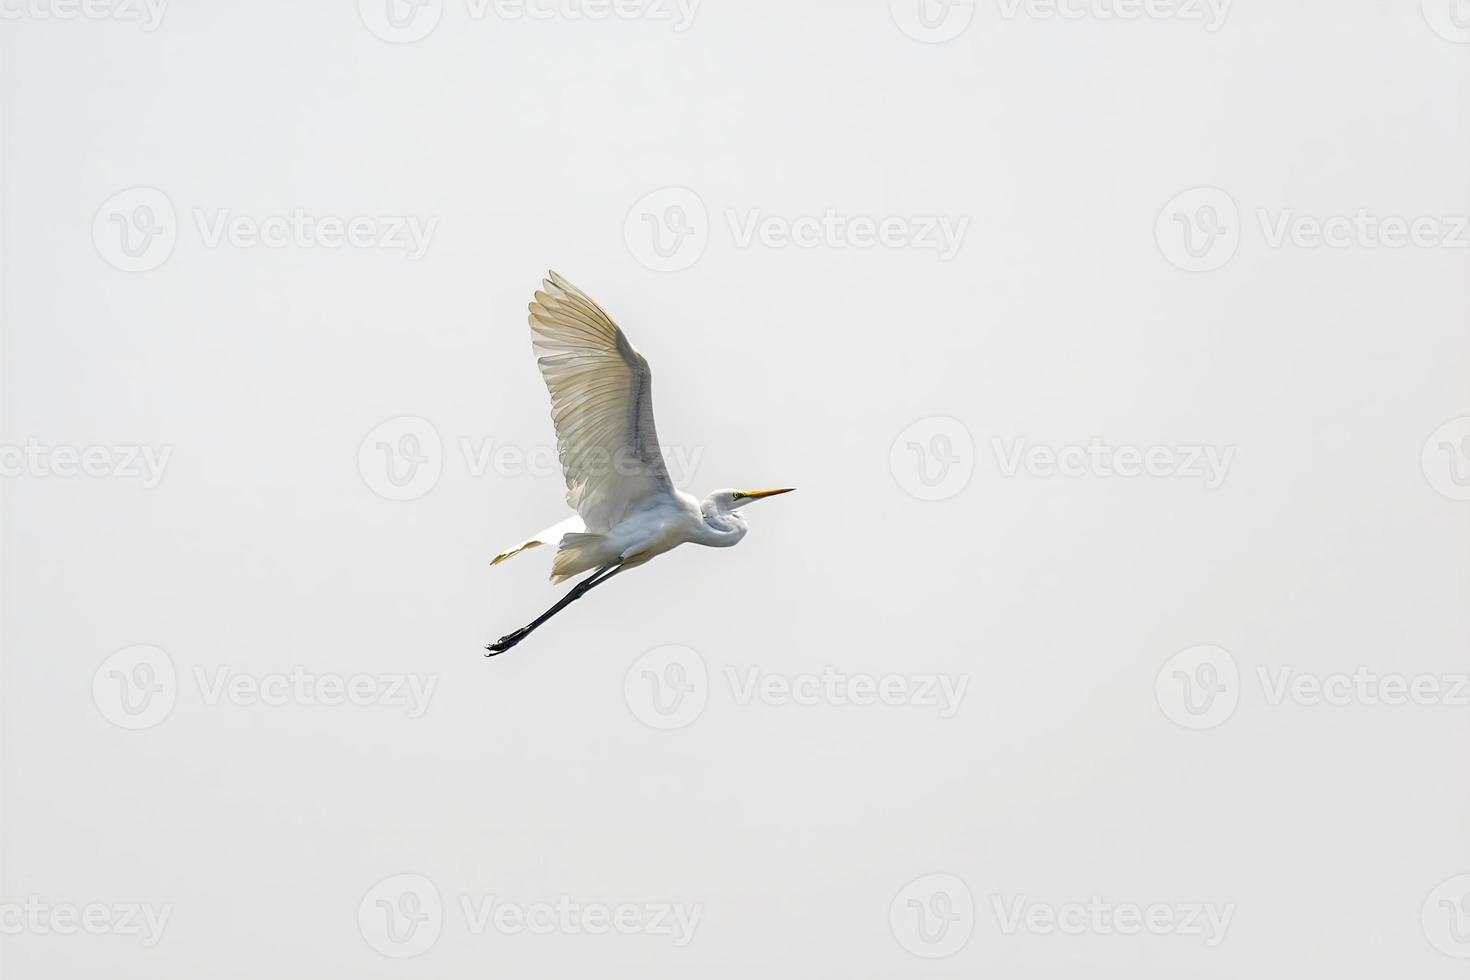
602,404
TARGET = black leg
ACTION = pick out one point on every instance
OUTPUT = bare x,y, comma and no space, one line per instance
580,589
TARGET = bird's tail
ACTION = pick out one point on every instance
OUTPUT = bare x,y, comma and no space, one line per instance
511,553
579,552
551,535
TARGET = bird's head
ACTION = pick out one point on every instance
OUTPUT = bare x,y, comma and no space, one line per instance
727,501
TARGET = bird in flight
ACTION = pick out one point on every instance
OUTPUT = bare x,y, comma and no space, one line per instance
628,511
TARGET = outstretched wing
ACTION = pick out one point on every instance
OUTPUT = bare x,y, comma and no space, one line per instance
601,402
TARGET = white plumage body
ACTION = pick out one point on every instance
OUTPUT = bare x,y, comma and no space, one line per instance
661,523
628,510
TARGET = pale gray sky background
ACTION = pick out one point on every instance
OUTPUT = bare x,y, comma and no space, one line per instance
1118,626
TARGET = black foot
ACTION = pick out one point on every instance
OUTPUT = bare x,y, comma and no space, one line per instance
505,642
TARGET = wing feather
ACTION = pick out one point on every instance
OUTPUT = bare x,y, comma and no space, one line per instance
601,402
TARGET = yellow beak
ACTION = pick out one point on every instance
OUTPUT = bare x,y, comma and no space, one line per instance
756,494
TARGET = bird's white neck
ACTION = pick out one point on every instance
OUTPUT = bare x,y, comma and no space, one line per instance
722,527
